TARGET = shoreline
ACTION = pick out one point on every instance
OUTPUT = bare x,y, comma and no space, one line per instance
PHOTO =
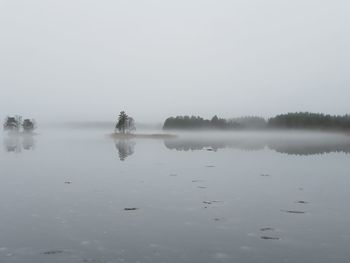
142,136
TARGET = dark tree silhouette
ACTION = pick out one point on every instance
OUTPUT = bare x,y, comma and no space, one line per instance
299,120
193,122
125,123
28,125
307,120
121,124
12,123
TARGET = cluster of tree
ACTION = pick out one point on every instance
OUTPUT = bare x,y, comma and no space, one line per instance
125,123
299,120
290,146
193,122
16,124
250,122
307,120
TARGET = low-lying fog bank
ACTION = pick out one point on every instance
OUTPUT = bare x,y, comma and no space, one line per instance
291,142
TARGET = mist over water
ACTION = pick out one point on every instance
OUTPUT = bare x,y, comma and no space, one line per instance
288,142
80,185
77,195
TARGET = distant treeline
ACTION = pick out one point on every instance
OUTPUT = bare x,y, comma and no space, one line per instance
299,120
307,120
193,122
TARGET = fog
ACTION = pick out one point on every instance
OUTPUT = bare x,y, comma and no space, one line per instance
292,142
87,60
200,197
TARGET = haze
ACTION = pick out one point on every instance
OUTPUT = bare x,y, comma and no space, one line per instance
87,60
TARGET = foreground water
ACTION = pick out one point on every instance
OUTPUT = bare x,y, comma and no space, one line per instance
79,196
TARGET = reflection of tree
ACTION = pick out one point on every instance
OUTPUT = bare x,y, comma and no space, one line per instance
309,148
12,143
125,148
215,144
28,142
16,142
293,145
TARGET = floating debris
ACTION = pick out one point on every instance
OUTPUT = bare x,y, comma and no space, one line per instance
267,229
68,182
130,208
211,202
198,181
269,238
294,211
301,202
53,252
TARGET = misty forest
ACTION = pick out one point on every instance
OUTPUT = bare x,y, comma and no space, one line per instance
300,120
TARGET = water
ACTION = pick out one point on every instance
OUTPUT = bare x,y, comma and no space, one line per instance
243,197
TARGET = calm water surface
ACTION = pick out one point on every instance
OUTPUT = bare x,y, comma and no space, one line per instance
199,198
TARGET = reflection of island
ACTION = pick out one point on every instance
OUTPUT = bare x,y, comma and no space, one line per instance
125,148
28,142
300,144
213,144
16,142
309,147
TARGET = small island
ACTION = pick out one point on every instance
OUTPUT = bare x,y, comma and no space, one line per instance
125,127
16,124
289,121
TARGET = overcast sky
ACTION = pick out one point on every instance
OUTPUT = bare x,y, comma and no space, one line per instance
89,59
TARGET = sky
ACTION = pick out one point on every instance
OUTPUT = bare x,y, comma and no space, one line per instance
87,60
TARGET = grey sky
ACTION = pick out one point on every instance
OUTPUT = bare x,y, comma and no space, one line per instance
85,59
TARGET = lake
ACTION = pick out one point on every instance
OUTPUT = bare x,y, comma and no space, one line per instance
71,195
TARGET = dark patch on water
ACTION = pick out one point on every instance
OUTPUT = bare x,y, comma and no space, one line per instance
210,166
211,202
265,175
53,252
270,238
209,149
68,182
301,202
198,181
267,229
130,208
294,211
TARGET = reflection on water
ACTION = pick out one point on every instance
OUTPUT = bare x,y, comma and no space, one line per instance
162,205
301,144
16,142
125,148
